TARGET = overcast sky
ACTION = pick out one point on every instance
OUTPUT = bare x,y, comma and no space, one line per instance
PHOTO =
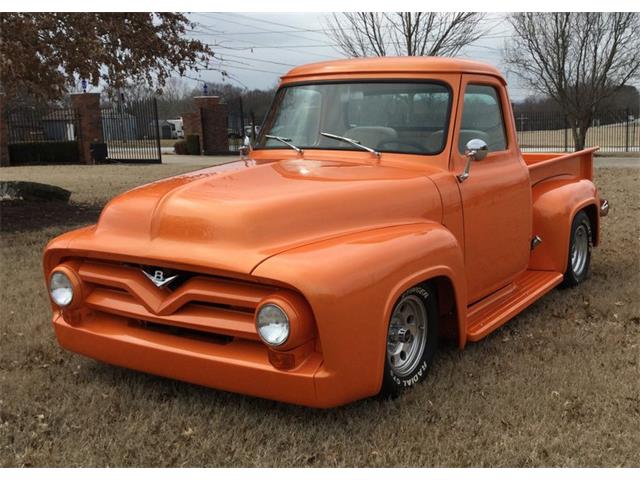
257,48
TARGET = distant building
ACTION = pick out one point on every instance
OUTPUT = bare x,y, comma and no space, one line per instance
119,126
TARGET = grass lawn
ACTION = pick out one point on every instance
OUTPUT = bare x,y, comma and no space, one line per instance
557,386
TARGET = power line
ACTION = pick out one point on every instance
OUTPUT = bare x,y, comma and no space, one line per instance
252,69
261,31
279,47
251,45
258,60
279,24
254,27
274,46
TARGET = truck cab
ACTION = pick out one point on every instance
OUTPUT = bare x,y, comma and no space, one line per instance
384,206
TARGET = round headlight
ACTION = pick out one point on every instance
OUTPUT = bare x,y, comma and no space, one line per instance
272,324
61,289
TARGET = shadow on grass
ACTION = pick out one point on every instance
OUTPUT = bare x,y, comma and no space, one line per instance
21,216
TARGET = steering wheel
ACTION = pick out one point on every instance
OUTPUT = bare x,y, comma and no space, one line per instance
415,145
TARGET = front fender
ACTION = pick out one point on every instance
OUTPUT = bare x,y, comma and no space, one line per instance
555,203
352,283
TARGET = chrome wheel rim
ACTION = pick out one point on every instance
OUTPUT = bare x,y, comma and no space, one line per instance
579,250
407,336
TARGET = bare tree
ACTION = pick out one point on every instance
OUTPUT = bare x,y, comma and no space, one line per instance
366,34
578,59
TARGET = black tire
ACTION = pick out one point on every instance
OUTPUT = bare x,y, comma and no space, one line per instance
395,380
579,255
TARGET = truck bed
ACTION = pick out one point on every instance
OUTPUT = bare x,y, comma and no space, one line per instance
548,165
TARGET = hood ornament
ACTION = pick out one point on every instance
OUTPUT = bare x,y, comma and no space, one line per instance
159,279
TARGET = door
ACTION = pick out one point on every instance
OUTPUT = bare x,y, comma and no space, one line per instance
496,197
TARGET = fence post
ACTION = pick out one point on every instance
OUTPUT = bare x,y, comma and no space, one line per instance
566,139
241,118
253,127
626,130
202,130
157,121
4,133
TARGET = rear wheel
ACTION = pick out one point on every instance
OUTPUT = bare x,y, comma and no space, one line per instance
580,245
411,339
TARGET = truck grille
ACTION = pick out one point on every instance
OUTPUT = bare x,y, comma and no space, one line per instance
218,306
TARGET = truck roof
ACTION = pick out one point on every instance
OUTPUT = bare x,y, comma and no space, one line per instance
390,65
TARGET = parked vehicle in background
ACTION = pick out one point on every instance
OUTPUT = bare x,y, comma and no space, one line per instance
177,130
249,131
385,206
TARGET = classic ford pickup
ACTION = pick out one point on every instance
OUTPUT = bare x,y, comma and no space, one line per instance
385,205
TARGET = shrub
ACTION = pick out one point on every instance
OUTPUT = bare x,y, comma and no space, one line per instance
180,147
44,153
193,144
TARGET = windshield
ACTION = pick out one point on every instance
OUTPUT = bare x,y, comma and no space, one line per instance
385,116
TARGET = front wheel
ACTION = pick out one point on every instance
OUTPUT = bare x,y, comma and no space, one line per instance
411,339
580,246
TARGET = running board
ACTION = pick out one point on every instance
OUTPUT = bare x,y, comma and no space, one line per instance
494,311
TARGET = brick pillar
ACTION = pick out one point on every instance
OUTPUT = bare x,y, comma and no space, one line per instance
4,133
87,105
192,125
214,120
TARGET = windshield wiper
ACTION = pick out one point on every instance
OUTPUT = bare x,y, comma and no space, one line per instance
353,142
286,142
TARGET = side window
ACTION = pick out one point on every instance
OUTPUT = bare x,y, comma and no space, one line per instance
482,118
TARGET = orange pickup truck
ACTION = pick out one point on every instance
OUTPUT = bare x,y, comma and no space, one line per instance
385,205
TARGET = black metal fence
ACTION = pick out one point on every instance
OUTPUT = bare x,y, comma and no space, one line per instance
612,131
42,135
131,131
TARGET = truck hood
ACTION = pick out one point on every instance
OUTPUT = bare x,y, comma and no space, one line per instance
232,217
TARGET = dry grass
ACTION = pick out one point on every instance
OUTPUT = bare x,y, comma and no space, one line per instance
94,183
558,386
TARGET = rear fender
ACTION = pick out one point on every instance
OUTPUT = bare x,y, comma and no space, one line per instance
352,283
555,204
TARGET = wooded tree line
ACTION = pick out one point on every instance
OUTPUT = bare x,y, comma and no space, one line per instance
625,98
177,95
256,102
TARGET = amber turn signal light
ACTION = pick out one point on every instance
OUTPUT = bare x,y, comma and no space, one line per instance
282,360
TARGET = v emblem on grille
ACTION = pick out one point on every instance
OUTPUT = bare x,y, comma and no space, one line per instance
158,278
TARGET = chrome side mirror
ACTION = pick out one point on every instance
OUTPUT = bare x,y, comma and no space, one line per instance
246,146
476,149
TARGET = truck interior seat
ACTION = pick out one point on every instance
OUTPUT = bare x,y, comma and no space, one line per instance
433,143
371,136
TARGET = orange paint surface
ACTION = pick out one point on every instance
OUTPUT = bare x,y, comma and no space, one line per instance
337,235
